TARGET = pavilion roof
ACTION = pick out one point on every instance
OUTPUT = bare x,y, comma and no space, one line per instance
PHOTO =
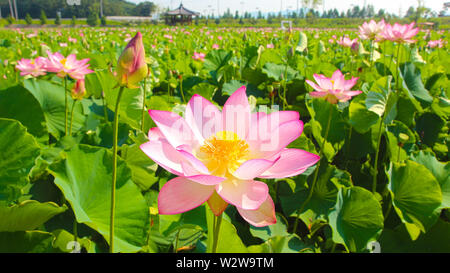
182,11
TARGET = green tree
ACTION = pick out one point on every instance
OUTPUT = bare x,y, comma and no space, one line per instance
410,12
310,16
57,19
43,17
10,20
301,14
370,11
381,13
110,7
103,21
28,19
144,9
92,19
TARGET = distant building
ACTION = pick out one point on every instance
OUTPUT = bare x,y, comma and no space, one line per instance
180,15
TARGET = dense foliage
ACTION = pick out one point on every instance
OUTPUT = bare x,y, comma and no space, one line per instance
51,7
384,174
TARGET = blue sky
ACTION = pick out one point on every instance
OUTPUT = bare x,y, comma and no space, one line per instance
208,6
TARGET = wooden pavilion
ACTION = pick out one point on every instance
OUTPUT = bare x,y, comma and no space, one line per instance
180,15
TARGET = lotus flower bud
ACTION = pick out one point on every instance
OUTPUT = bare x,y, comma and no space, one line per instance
290,52
427,36
355,47
78,90
131,67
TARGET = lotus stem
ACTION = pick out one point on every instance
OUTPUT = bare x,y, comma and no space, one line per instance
384,59
216,228
105,109
311,190
114,171
375,167
388,210
65,105
71,117
181,90
398,67
390,59
176,240
285,104
143,105
75,230
371,53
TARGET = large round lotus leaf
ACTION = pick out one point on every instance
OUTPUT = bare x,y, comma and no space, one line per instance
18,152
27,215
27,242
416,194
356,219
85,178
18,103
441,171
52,101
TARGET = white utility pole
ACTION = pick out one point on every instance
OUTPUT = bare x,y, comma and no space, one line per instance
15,9
218,8
11,11
101,8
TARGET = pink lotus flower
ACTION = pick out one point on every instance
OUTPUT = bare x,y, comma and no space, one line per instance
31,35
270,46
34,67
334,89
346,42
400,33
72,40
371,30
435,43
76,69
215,46
217,155
199,56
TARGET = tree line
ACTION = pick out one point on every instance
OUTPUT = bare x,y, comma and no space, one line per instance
51,8
312,12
